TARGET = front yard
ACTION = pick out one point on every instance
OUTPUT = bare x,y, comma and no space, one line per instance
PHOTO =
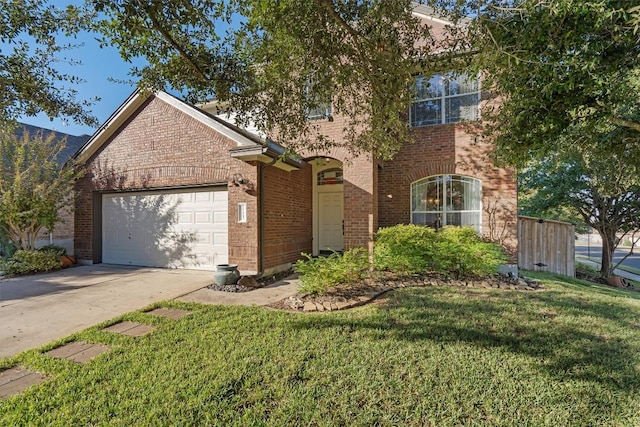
567,355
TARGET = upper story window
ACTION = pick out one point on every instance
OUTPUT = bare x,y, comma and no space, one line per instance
320,112
321,103
445,98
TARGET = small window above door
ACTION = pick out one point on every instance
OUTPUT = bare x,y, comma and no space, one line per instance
330,176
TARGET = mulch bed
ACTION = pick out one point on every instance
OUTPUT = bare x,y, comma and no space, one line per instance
340,297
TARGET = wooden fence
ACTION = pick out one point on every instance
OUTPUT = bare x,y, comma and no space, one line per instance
546,246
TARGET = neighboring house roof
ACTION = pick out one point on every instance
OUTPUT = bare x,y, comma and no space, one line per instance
258,148
73,142
434,14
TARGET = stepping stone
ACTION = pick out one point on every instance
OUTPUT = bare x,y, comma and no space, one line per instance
78,351
133,329
171,313
14,380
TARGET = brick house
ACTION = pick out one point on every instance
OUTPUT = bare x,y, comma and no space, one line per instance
173,185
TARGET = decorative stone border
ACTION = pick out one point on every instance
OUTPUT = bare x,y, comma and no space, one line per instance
307,304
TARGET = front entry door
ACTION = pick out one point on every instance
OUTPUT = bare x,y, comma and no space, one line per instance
330,221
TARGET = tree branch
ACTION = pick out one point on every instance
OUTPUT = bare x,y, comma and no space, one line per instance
328,6
625,123
169,38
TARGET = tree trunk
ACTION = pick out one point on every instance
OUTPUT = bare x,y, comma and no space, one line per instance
608,249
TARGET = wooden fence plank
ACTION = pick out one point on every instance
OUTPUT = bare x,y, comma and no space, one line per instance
546,246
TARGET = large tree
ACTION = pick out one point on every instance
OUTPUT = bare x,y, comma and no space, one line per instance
602,187
32,48
273,61
34,185
557,64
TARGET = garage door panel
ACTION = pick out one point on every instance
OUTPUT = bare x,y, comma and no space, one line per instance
180,229
221,239
185,218
204,238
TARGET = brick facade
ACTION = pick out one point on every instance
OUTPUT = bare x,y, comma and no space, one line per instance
159,147
448,149
287,215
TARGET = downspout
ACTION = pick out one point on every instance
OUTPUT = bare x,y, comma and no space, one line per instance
263,166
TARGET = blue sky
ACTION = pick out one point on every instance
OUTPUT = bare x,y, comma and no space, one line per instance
97,66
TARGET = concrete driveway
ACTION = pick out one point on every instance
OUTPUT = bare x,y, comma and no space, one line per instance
36,310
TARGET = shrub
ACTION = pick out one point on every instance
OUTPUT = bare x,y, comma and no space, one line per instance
7,248
452,250
461,251
321,273
587,272
404,248
54,249
28,262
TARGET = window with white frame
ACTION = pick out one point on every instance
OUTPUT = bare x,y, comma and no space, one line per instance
321,108
442,200
320,112
445,98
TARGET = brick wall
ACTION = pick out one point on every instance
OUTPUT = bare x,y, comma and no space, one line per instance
287,215
159,146
62,233
360,185
448,149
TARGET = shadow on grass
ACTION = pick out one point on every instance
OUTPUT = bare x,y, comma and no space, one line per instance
568,335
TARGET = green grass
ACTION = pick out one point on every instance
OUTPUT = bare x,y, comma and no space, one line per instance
568,355
622,267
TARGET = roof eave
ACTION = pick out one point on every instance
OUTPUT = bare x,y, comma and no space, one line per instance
267,154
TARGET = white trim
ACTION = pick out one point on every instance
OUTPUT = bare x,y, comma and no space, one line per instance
432,18
205,119
112,124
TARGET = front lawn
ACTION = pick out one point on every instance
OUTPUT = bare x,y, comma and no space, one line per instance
568,355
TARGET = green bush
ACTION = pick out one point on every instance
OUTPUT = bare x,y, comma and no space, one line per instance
404,248
28,262
53,249
452,251
587,272
7,248
461,251
321,273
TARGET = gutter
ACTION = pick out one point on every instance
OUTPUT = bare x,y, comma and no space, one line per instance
269,153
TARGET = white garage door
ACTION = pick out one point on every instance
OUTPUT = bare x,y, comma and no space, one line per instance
176,228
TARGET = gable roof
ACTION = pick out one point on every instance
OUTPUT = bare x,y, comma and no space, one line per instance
245,140
73,142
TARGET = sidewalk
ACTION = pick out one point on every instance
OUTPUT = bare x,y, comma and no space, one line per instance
617,271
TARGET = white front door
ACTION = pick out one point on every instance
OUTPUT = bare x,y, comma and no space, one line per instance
330,221
173,228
